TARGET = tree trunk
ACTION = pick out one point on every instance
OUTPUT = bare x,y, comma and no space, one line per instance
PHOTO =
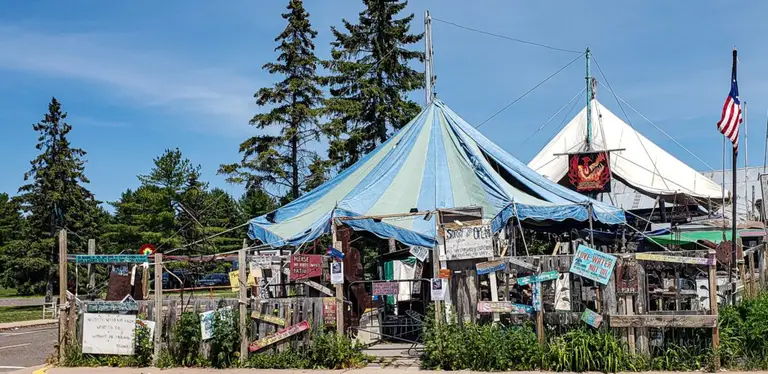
294,153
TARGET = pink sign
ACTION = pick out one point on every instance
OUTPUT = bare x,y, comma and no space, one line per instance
305,266
385,288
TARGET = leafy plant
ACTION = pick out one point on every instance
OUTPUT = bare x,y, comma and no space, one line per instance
333,351
225,340
587,350
186,339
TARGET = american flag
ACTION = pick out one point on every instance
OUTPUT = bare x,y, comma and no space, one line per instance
729,123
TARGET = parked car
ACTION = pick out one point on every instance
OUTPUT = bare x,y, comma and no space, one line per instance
215,279
187,278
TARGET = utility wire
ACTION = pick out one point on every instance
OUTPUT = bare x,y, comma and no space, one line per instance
529,91
554,115
506,37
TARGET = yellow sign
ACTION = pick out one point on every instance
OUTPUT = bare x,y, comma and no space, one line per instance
269,318
234,280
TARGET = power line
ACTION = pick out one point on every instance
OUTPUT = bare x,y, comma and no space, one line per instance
555,115
506,37
529,91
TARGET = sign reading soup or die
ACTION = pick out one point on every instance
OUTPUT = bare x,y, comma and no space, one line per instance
466,242
111,334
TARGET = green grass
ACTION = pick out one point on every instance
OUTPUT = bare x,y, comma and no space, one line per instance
10,292
21,313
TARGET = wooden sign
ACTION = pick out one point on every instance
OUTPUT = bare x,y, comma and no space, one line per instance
675,259
538,278
385,288
490,267
278,336
329,311
626,277
494,307
275,320
536,296
591,318
111,334
261,261
111,259
589,172
111,306
467,242
318,287
521,263
521,309
305,266
593,264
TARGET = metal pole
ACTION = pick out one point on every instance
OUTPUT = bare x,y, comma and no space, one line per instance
158,312
746,164
242,297
734,236
589,105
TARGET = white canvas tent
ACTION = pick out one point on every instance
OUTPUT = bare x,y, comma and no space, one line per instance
640,164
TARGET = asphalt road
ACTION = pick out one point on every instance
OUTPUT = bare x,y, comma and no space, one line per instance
22,301
26,347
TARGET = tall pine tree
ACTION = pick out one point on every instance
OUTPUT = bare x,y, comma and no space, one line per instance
55,198
370,79
280,164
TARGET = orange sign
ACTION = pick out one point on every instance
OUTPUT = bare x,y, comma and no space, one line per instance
589,172
445,273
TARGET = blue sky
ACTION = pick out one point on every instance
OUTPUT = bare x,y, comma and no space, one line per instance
138,77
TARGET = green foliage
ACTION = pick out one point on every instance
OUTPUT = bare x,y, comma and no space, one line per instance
370,80
744,334
283,162
333,351
225,340
289,359
186,339
682,358
588,350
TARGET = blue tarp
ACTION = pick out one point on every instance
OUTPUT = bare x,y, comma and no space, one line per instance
436,161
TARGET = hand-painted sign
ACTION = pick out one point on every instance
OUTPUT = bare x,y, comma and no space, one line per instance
108,333
521,309
536,296
111,306
420,253
467,242
490,267
385,288
494,307
329,311
261,261
593,264
675,259
111,259
538,278
589,172
269,318
305,266
521,263
278,336
591,318
445,273
626,277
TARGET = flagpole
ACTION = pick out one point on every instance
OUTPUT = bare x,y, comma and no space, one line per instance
734,236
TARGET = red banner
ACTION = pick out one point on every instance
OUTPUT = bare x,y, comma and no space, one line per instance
589,172
305,266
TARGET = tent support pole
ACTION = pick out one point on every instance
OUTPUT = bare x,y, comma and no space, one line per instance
591,233
339,287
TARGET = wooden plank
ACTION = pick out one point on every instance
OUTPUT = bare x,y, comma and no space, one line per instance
91,273
242,299
158,308
668,321
521,263
673,259
278,336
268,318
712,277
62,292
318,287
111,259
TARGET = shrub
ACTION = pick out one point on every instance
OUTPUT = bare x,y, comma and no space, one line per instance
333,351
225,340
186,339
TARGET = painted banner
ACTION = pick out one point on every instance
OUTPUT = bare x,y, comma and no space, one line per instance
305,266
591,318
589,172
420,253
490,267
538,278
467,242
275,320
438,286
675,259
385,288
278,336
111,259
111,334
329,311
593,264
337,273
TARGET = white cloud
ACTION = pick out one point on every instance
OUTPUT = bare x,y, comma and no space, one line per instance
220,101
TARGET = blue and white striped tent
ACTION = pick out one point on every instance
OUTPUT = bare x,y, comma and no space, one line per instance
436,161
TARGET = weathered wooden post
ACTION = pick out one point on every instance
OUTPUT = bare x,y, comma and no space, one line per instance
339,287
158,305
91,273
761,264
713,303
242,299
63,300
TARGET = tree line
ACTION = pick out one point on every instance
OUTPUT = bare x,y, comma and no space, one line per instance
355,100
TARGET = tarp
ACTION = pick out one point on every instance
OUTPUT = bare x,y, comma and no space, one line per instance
436,161
641,164
688,237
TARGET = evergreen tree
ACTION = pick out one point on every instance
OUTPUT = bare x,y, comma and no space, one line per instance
55,197
11,220
256,203
370,79
280,163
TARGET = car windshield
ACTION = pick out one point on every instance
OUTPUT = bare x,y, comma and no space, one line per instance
212,276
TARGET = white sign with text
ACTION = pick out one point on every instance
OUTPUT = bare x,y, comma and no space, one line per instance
110,334
466,242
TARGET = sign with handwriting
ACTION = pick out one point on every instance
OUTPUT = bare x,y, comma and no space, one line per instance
268,318
593,264
305,266
278,336
538,278
110,334
675,259
419,252
467,242
385,288
490,267
111,259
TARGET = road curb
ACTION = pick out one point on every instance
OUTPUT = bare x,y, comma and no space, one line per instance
25,324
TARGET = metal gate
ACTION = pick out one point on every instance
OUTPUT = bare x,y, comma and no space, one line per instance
389,311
